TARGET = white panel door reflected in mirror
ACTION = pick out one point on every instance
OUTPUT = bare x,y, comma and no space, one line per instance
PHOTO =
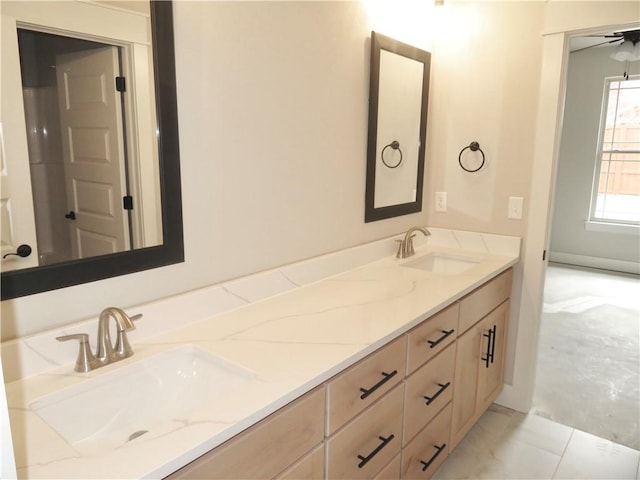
91,155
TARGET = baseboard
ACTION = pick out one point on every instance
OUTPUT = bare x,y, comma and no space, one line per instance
595,262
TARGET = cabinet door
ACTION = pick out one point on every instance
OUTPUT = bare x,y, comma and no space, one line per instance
465,387
491,375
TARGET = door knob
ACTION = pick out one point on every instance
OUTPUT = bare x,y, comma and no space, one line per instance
23,250
71,215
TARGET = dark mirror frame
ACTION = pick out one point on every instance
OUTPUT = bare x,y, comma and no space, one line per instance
18,283
381,42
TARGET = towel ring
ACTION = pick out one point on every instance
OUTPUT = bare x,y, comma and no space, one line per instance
395,145
474,147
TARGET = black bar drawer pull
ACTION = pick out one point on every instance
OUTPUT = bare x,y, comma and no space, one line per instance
434,343
385,442
435,395
493,343
385,378
434,456
487,358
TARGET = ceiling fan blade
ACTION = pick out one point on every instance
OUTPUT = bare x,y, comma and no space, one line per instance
598,44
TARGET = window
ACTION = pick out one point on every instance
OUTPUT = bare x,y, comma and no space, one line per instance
616,189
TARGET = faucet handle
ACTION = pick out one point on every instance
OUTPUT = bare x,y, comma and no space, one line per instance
85,361
123,348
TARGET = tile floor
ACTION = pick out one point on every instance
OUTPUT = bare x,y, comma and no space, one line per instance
505,444
588,374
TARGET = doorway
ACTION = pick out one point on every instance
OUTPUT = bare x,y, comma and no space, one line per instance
588,360
74,116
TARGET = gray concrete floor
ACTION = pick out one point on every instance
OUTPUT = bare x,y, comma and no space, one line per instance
588,371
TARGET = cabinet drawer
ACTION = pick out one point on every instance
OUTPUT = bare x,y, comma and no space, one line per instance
422,457
368,443
267,448
427,392
431,337
361,385
484,299
391,471
310,467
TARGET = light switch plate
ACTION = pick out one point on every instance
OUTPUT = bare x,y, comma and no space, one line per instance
441,201
516,205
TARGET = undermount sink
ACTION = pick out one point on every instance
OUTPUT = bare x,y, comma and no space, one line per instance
443,263
109,410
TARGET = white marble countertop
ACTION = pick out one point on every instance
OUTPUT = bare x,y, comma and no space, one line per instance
292,342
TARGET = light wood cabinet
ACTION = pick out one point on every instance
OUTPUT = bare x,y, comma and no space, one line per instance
391,471
309,467
395,414
480,351
483,299
267,448
427,391
491,376
431,337
358,387
423,456
369,442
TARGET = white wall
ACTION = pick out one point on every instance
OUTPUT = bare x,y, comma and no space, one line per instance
272,100
587,71
273,104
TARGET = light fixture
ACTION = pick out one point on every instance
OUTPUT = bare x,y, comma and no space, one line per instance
438,3
629,49
626,51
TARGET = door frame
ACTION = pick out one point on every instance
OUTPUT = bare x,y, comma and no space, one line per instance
551,99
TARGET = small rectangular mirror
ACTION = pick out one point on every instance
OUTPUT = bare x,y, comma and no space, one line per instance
398,102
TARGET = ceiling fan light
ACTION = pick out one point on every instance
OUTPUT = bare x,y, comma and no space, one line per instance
635,56
624,52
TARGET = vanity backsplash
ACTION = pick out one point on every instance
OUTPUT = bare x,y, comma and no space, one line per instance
38,353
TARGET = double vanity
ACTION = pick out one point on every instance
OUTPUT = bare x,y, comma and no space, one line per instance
353,365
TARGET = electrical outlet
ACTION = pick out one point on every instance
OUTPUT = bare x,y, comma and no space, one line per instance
441,201
515,207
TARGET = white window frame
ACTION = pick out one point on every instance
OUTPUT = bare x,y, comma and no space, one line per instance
598,223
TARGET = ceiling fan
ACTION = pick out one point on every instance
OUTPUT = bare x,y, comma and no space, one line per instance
627,50
632,37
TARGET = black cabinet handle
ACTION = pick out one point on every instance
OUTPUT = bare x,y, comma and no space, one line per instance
385,378
435,395
385,442
493,343
434,343
71,215
487,356
439,450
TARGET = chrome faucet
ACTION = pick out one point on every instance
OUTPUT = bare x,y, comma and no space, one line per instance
106,352
405,247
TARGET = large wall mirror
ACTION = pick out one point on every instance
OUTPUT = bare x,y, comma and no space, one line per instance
89,157
398,101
